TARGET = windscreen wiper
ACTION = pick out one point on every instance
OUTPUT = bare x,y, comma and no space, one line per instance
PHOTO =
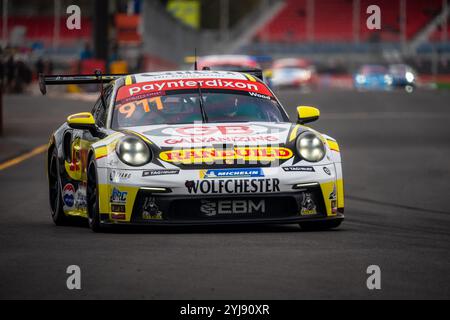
202,104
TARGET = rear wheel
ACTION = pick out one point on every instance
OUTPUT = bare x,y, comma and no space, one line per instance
93,197
54,188
320,225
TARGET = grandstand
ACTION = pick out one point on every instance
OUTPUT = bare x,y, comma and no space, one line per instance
317,29
336,20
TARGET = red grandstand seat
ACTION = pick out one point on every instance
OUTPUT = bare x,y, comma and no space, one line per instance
333,20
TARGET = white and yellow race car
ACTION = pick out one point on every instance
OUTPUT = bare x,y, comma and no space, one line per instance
191,148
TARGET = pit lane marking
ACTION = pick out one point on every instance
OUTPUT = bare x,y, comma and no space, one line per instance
15,161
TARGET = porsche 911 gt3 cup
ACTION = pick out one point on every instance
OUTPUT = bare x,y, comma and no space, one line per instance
191,148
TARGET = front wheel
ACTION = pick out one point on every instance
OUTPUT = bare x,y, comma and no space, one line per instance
93,197
320,225
54,191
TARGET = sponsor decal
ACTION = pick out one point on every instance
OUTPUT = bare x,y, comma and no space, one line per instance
327,171
151,210
299,169
69,195
119,208
258,95
151,173
80,198
183,84
308,207
231,173
115,176
213,208
120,216
333,199
266,139
204,131
219,186
118,196
210,155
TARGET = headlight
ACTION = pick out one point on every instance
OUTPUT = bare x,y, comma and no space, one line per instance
310,147
360,78
133,151
409,77
388,79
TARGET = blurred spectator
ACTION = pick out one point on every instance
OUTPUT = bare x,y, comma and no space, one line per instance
2,69
22,77
10,70
49,66
40,66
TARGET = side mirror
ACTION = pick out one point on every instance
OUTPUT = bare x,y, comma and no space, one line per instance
307,114
82,121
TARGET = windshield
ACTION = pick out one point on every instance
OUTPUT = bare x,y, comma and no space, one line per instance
254,103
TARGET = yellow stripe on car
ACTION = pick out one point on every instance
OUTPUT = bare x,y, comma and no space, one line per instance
340,193
333,145
101,152
327,190
251,78
128,80
294,132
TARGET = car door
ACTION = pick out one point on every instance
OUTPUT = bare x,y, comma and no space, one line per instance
76,145
100,113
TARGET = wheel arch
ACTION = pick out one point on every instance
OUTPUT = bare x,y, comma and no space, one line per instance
51,146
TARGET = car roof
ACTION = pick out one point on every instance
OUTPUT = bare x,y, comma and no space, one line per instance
218,60
227,57
186,74
373,68
291,62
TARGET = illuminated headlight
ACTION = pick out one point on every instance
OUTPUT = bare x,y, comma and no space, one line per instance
409,76
305,75
360,78
133,151
310,147
388,79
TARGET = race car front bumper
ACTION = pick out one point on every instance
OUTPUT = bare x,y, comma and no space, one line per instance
305,203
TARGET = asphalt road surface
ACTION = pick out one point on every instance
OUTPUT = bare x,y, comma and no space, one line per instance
396,152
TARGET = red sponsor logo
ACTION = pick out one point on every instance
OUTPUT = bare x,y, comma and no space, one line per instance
202,155
165,85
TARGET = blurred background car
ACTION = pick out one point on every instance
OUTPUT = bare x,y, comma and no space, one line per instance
403,76
228,62
293,73
373,77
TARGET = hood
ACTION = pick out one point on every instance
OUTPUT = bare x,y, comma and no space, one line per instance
214,134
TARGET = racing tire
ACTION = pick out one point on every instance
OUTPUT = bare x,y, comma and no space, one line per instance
93,198
320,225
54,188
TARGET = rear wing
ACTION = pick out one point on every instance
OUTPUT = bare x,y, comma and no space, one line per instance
75,79
257,73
